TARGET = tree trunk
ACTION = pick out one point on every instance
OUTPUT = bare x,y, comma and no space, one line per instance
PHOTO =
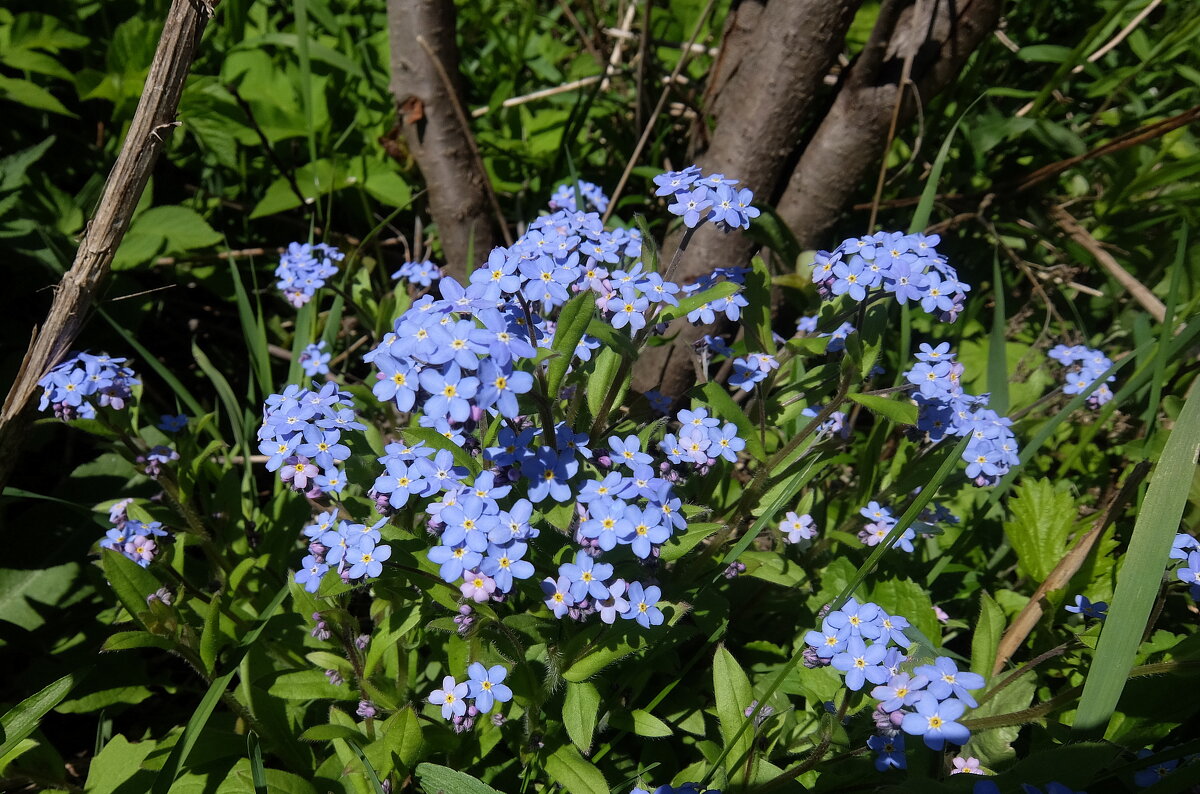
850,139
459,198
765,101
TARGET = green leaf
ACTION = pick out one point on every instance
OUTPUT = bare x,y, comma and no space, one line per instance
434,439
640,722
612,337
326,733
130,581
233,407
95,701
127,640
444,780
31,95
756,317
581,707
733,694
24,594
693,302
23,718
574,772
402,732
210,637
997,366
722,405
920,218
994,745
119,766
906,597
604,373
1042,520
615,645
1140,577
902,411
573,320
307,685
985,638
258,775
195,725
680,545
163,230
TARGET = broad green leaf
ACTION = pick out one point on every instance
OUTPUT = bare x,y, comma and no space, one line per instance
604,374
994,745
573,320
210,636
1140,577
126,640
723,406
31,95
693,302
241,780
307,685
574,772
906,597
902,411
581,707
25,594
986,634
733,694
403,736
95,701
437,779
1042,520
640,722
164,230
118,767
23,718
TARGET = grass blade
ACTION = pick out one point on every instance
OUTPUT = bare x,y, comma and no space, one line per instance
259,775
997,364
253,331
1141,575
1164,338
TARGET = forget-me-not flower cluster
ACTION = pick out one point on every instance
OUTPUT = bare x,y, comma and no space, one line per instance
81,383
301,435
945,409
864,643
304,268
422,273
352,551
462,702
314,359
706,199
593,197
906,266
135,539
1085,367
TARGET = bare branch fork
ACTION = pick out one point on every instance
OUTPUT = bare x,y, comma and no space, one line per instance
75,294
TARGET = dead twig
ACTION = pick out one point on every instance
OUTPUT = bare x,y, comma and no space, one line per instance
1137,289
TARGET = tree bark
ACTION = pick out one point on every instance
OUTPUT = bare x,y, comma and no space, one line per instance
760,111
460,202
850,139
152,123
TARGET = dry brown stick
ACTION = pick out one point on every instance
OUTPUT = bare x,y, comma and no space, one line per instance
662,100
1067,567
461,114
1137,289
153,120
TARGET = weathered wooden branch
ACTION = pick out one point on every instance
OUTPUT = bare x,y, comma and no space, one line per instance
75,294
428,117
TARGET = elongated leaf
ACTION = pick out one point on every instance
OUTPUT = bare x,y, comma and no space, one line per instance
985,638
159,368
126,640
722,405
253,332
733,694
581,707
574,772
23,718
573,320
693,302
210,636
1140,577
680,545
901,411
640,722
437,779
326,733
232,406
924,209
604,373
257,772
191,732
130,581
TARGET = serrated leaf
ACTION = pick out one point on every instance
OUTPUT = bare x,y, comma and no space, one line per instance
902,411
574,772
581,707
1043,518
437,779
